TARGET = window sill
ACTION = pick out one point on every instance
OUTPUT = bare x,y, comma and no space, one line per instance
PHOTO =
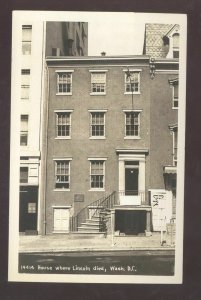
64,94
63,138
130,93
132,138
97,138
175,108
61,190
98,94
97,190
60,231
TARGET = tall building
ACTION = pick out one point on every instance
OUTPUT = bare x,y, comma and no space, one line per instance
109,143
35,39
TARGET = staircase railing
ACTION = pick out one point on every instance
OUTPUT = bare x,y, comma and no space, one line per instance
104,202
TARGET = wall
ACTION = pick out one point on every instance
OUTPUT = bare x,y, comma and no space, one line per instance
162,115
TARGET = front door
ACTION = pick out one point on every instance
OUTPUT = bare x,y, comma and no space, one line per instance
61,219
131,181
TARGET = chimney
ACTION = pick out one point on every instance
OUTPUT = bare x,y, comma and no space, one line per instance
103,53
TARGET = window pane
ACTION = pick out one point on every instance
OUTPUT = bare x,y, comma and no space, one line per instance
175,40
97,124
132,82
63,124
132,124
98,82
24,175
64,81
62,174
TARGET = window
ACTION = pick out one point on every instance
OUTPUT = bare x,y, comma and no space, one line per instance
24,174
26,39
132,124
175,38
24,130
25,84
98,83
64,83
31,208
97,124
174,84
132,81
63,124
97,170
62,174
175,95
175,145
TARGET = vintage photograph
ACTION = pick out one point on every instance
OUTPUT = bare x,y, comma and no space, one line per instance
97,147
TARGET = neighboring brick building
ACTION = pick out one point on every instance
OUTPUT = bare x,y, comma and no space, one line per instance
107,134
34,39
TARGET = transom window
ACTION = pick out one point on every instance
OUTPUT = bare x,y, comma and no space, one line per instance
97,170
62,174
97,124
132,124
25,84
64,83
98,82
63,124
132,82
26,39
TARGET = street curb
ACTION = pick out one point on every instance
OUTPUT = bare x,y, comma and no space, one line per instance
27,251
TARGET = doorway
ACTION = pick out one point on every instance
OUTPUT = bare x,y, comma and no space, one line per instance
61,219
130,222
131,179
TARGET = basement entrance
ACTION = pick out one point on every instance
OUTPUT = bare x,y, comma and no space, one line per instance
130,222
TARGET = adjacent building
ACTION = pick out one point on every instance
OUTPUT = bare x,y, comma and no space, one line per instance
109,141
35,40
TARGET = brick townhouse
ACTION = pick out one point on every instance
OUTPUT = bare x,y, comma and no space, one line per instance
109,138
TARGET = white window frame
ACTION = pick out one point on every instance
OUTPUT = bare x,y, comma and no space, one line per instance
99,72
175,146
27,167
98,159
175,100
173,83
131,137
56,160
125,81
24,27
59,72
97,137
25,86
56,124
25,131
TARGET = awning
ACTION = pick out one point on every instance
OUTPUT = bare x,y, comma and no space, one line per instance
170,170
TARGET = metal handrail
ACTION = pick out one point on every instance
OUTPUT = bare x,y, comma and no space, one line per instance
81,217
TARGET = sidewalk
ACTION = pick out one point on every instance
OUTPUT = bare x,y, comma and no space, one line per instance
70,243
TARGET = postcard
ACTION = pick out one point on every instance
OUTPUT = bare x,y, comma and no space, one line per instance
97,147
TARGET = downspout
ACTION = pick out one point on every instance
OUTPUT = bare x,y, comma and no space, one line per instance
46,148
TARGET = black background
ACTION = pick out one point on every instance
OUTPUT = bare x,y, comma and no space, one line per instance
191,287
